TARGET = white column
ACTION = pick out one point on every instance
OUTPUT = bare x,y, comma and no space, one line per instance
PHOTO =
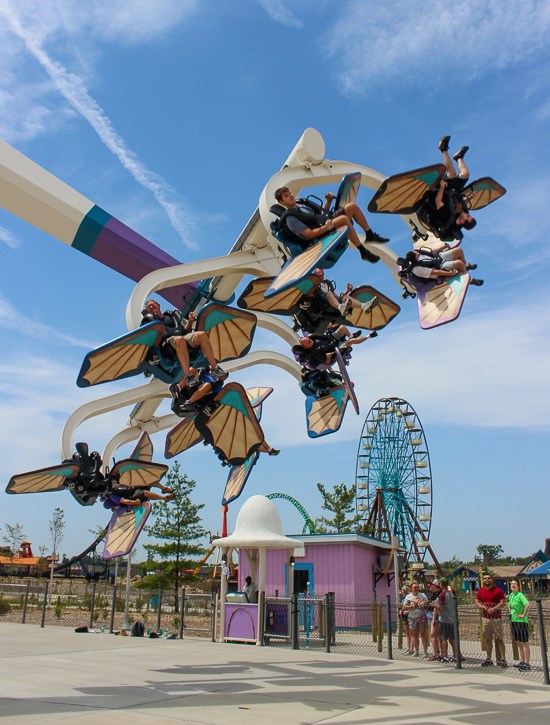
223,593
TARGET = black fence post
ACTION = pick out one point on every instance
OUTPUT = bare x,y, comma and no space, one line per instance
158,610
113,608
92,605
326,613
388,618
542,636
261,618
25,601
44,604
294,621
182,612
457,634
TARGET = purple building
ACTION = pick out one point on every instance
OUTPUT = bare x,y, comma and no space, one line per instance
350,565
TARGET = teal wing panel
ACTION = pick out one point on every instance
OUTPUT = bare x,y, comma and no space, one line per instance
238,476
121,358
398,194
230,331
53,478
124,528
143,450
484,191
348,189
325,415
233,430
131,472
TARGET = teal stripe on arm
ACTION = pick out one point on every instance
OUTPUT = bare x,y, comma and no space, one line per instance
89,230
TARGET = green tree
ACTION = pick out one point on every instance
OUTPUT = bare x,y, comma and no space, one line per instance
177,525
14,536
57,534
490,553
340,503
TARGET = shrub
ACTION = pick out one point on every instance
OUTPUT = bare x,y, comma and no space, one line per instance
176,622
4,606
58,610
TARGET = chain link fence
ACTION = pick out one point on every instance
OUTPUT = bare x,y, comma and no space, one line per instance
103,607
366,627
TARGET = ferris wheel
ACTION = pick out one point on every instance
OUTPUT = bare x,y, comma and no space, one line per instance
393,478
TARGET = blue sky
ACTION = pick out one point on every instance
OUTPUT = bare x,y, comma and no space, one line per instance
173,115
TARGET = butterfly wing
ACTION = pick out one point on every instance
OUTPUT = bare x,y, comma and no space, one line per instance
121,358
400,193
53,478
124,528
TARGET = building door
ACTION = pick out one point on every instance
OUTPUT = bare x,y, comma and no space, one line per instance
303,573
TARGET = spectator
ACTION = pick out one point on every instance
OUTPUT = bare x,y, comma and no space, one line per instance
519,608
445,610
432,614
405,619
490,599
415,606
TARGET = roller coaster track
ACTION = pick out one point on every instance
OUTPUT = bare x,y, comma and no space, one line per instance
309,526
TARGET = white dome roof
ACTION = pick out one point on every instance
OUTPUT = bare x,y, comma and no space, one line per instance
259,525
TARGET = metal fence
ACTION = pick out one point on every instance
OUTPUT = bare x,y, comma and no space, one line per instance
365,627
374,628
103,607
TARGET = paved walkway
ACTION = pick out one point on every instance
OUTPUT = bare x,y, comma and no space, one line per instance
56,676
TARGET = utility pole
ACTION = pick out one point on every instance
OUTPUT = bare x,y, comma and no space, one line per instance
126,624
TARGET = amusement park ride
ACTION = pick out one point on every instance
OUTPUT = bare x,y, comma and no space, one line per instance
284,284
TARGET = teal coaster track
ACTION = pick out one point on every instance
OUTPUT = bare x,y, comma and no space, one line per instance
309,526
393,473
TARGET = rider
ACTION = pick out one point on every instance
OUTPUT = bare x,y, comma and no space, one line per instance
179,334
198,384
430,265
449,213
308,221
321,349
343,303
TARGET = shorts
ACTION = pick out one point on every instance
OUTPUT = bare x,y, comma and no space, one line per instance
189,339
418,623
338,212
405,619
492,629
456,182
520,630
447,631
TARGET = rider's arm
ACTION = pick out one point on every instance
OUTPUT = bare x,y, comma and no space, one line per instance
439,196
329,196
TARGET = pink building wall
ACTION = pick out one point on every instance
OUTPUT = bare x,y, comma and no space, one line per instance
339,566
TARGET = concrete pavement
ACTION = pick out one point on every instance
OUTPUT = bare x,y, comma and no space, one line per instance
56,676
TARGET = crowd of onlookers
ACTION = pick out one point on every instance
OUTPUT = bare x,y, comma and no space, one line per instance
430,617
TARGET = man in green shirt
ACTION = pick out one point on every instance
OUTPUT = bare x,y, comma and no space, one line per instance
519,608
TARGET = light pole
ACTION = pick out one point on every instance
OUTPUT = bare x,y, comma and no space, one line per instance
126,624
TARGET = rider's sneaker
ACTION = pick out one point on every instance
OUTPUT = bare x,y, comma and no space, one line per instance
487,663
175,390
471,266
219,373
502,663
370,305
367,255
345,308
460,153
443,145
476,282
371,236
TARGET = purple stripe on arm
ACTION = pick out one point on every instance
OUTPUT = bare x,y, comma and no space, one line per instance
133,256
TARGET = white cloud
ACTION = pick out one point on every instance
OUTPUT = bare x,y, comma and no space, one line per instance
72,87
11,319
9,238
278,11
377,42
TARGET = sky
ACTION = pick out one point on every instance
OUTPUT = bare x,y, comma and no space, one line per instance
172,116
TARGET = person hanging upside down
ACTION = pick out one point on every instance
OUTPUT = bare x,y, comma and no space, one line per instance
453,181
431,265
180,335
308,221
343,302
